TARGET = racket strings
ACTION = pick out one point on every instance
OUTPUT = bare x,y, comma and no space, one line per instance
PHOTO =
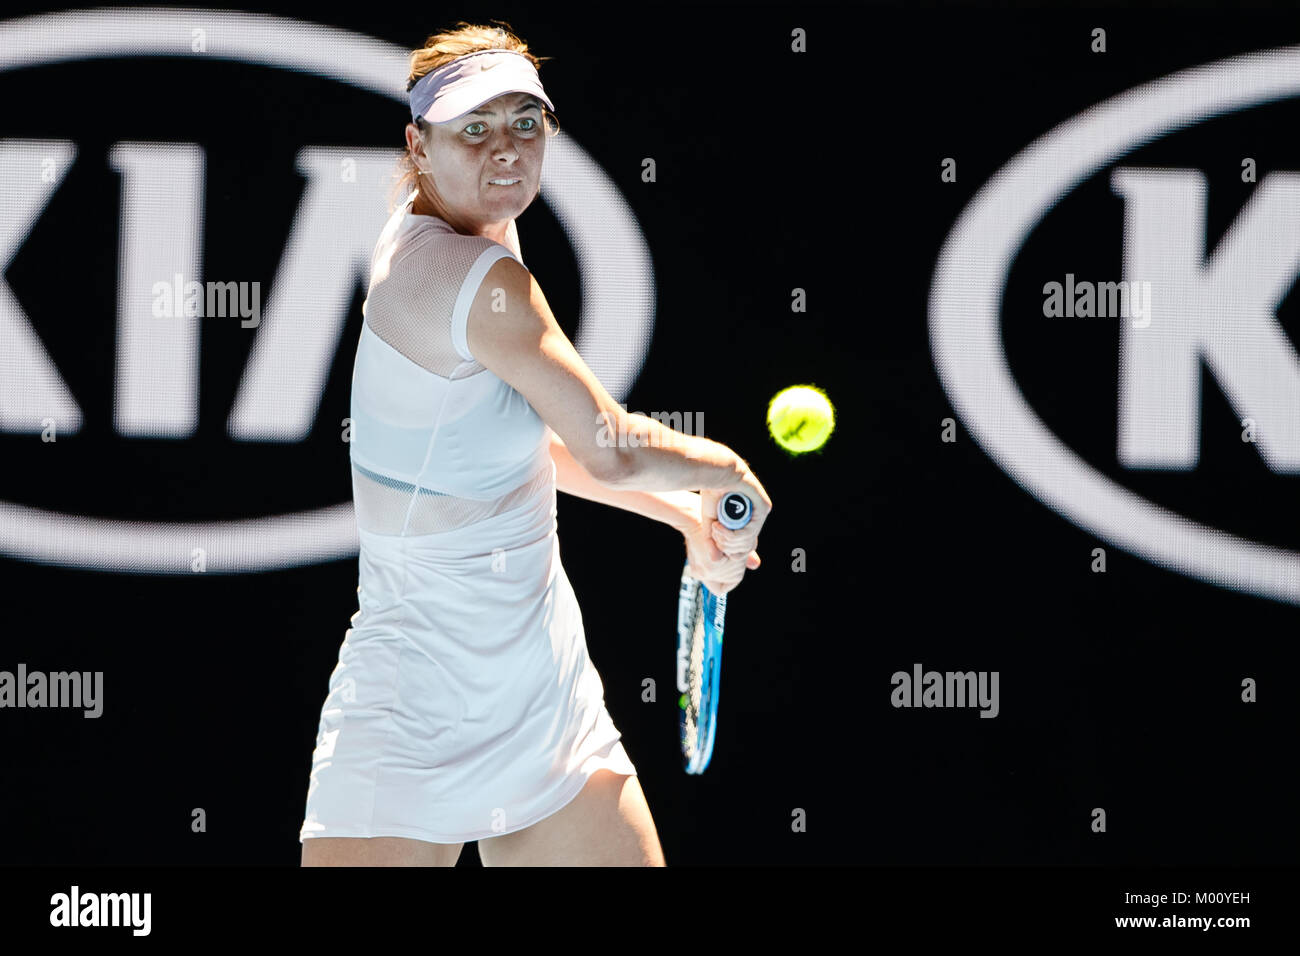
695,678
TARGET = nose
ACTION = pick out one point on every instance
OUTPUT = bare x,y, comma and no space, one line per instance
504,149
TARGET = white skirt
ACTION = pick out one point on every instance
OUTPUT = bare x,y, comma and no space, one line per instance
464,704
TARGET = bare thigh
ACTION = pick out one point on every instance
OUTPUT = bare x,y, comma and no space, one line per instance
377,851
607,824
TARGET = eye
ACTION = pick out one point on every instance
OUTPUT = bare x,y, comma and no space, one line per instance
470,129
529,119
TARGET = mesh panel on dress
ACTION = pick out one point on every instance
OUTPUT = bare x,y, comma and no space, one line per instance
384,505
410,303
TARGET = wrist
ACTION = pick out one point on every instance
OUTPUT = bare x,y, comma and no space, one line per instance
685,513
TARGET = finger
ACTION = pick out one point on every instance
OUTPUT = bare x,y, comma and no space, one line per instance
721,545
753,561
735,543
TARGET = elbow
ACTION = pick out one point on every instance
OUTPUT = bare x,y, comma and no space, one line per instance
611,469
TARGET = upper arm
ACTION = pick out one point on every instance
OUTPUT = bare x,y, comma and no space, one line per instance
511,331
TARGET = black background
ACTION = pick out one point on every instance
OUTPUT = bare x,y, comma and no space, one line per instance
775,170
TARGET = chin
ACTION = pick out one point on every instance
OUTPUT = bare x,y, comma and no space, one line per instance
513,207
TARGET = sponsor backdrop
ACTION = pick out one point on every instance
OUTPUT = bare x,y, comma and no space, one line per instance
1051,302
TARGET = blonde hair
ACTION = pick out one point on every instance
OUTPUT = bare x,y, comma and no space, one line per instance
440,49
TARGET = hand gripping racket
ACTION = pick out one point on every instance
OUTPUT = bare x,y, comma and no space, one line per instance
700,615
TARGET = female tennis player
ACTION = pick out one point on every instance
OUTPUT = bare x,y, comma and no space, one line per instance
464,705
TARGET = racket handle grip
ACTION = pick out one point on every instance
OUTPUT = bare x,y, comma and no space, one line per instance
734,510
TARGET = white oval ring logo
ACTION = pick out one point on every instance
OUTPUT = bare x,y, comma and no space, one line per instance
966,298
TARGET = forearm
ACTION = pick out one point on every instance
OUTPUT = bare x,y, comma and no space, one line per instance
654,457
674,508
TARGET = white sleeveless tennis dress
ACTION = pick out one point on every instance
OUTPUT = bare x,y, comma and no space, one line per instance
464,704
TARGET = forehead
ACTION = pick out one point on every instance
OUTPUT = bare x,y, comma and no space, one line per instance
506,102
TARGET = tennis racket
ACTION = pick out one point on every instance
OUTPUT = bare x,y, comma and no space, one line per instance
700,618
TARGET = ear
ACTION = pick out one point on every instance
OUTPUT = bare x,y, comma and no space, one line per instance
414,141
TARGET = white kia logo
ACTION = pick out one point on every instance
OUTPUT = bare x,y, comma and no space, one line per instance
1215,305
326,256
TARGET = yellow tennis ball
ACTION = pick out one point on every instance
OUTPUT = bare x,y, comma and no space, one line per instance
800,418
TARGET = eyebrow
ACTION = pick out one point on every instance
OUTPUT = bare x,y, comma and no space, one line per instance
532,105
